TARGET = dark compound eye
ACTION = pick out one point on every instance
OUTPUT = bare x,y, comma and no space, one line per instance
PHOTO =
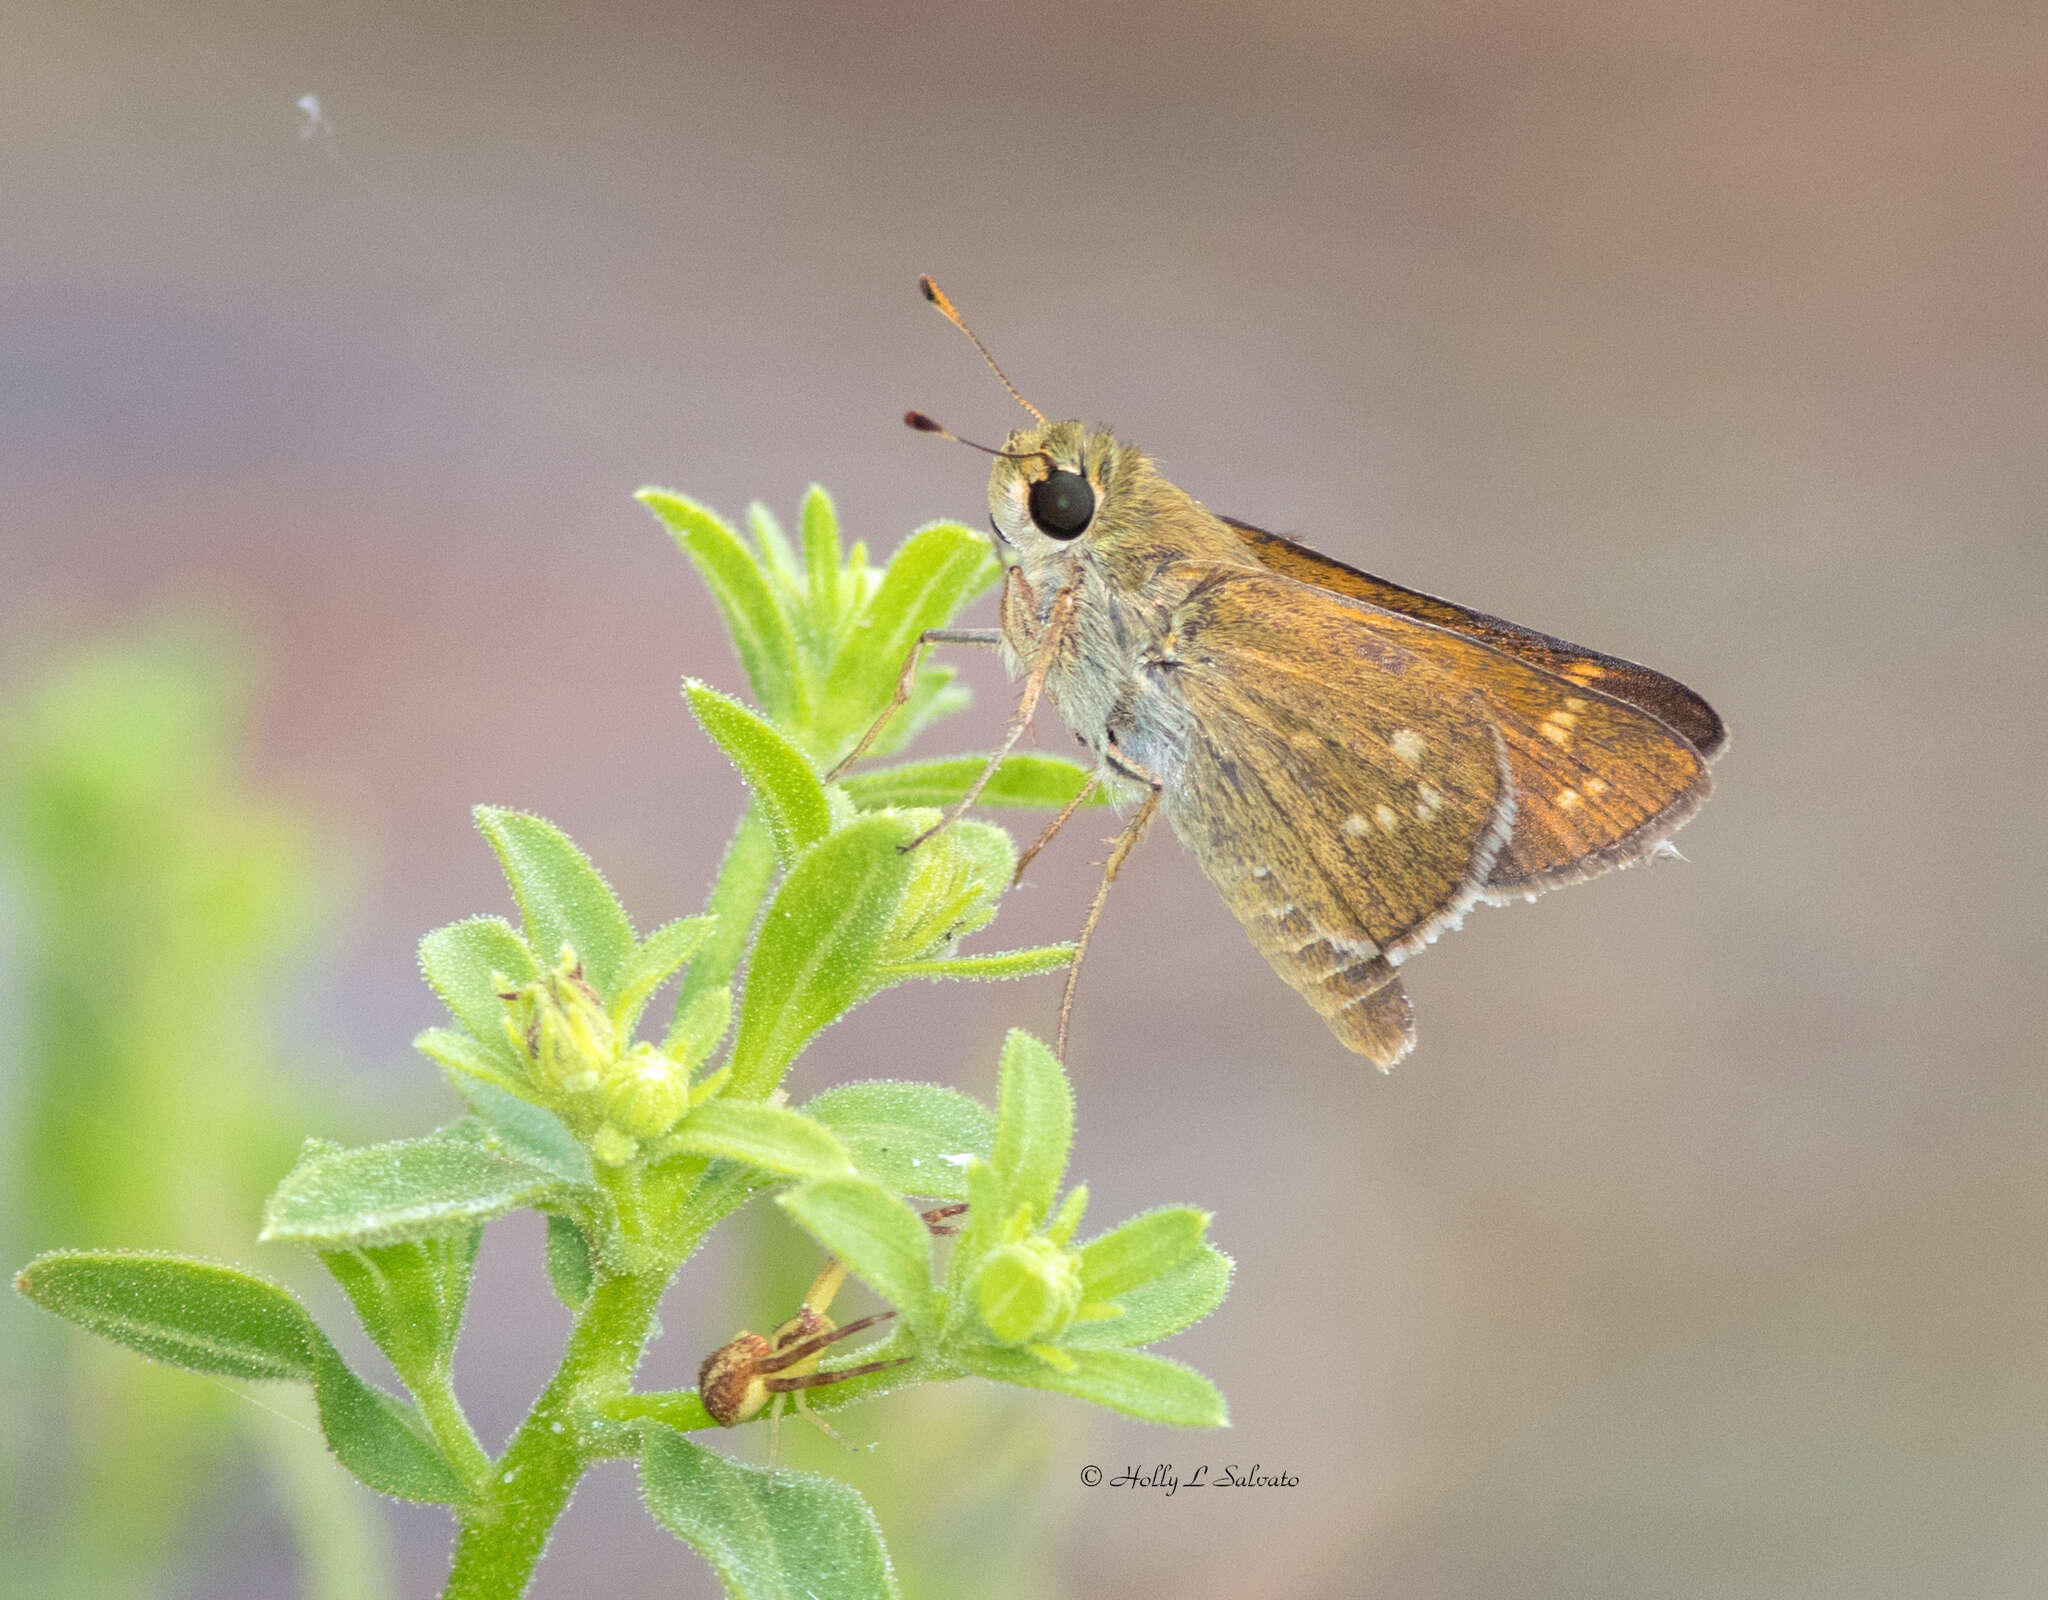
1062,504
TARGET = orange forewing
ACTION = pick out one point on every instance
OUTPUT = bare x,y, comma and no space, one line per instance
1603,767
1666,699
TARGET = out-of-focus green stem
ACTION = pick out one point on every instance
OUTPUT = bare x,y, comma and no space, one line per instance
341,1553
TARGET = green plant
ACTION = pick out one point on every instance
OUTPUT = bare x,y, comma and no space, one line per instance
164,906
636,1150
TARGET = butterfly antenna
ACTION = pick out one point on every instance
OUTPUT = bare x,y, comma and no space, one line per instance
937,297
924,424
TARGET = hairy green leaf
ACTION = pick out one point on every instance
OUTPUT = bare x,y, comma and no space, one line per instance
460,961
410,1296
219,1320
722,1188
406,1189
777,554
824,565
699,1029
1025,782
652,965
769,1536
1034,1124
521,1130
980,1231
743,881
791,797
912,1138
1141,1249
773,1138
785,573
932,575
993,967
194,1314
1148,1387
818,946
459,1051
570,1269
885,1242
958,880
1177,1299
563,898
760,631
378,1437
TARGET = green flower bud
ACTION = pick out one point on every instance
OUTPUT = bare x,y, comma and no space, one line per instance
1028,1291
560,1024
645,1093
954,885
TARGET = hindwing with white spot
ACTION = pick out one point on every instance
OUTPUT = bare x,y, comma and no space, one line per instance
1346,796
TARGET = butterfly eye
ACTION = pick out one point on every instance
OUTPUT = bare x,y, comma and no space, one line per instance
1062,504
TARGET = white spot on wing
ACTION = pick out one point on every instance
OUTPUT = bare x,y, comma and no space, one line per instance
1409,746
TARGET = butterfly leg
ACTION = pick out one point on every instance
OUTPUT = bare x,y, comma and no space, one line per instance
907,679
1049,641
1125,844
1066,815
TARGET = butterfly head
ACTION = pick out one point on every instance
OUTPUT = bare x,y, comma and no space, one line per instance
1052,486
1058,487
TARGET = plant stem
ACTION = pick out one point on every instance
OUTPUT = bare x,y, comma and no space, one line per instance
680,1409
444,1416
499,1543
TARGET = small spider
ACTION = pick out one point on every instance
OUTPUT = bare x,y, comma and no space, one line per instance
749,1372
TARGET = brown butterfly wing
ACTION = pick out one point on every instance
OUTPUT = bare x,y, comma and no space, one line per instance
1346,796
1606,765
1666,699
1598,784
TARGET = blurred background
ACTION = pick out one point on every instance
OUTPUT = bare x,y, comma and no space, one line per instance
1697,1252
